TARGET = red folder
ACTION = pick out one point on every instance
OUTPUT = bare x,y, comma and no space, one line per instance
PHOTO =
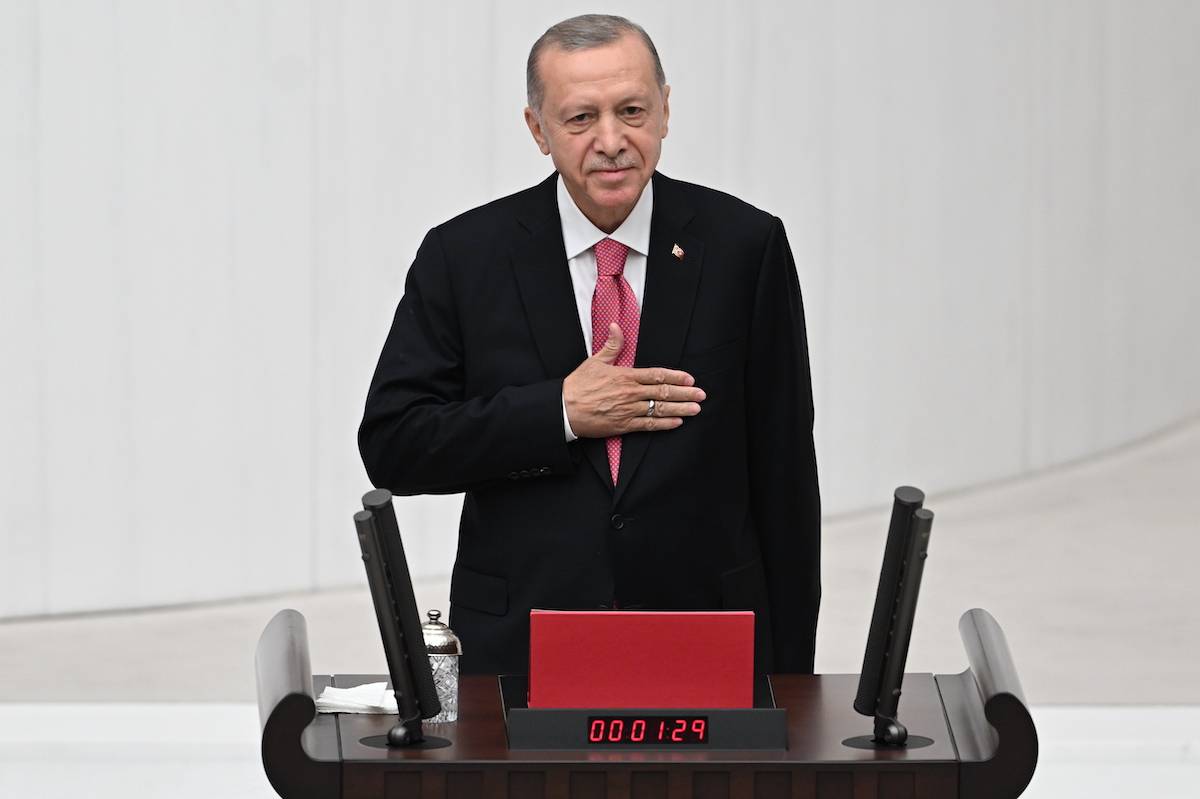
641,659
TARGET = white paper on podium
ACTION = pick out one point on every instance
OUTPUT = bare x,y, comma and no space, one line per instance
374,697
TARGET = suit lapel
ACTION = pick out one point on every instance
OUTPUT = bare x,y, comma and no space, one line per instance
668,297
540,266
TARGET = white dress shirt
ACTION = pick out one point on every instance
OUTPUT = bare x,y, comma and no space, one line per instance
580,237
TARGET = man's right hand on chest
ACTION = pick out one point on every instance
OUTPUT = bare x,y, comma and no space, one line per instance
602,400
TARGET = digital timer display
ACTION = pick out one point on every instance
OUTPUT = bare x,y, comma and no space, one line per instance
654,730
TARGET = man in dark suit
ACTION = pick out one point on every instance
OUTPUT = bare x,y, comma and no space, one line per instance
674,467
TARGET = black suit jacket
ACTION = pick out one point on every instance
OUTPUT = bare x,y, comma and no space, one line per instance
720,513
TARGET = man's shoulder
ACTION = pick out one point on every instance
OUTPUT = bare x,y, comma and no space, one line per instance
500,214
714,208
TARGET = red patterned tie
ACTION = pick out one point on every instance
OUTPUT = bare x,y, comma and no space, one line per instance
613,302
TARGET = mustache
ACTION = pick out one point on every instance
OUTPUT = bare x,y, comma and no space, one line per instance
623,163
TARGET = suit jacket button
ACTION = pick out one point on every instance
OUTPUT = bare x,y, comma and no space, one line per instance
524,472
512,475
617,521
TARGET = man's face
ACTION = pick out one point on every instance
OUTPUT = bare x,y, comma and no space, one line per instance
602,122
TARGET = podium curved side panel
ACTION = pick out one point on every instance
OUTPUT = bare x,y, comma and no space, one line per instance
287,712
993,730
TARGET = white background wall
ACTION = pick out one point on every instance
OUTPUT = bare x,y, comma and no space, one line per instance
207,211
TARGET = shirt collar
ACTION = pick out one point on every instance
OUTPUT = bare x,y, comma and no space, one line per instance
579,234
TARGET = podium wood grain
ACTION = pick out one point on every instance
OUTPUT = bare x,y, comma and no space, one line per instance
479,765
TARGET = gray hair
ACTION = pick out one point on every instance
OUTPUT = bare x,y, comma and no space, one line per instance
582,33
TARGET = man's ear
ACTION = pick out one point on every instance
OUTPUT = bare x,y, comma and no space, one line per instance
666,93
535,127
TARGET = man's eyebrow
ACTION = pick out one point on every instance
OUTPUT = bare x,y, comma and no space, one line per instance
634,98
578,106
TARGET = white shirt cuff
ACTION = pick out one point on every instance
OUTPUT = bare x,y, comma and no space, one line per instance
570,434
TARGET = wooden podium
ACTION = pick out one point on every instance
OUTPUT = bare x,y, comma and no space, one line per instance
984,742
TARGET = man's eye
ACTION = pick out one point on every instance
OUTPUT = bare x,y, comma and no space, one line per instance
579,118
632,110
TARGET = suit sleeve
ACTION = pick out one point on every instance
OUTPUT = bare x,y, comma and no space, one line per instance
784,496
420,433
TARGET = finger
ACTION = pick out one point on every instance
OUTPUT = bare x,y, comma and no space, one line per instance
668,409
637,411
665,392
612,347
650,423
657,375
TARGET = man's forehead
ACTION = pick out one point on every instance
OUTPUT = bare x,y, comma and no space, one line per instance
624,67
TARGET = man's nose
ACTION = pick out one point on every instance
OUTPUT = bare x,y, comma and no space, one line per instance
610,137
